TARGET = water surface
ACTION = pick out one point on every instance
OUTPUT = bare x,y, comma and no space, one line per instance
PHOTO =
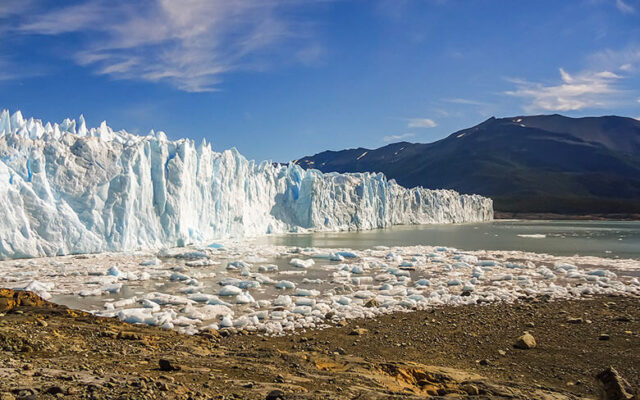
618,239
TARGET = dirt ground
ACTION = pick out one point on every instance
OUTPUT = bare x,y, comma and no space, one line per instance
48,351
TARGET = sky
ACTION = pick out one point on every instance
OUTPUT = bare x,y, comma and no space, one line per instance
281,79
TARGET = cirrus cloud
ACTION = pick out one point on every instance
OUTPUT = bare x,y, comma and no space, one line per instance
189,44
575,92
421,123
398,138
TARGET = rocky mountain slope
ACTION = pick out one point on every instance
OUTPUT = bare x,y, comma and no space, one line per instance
527,164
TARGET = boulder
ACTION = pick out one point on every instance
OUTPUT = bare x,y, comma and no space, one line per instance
525,342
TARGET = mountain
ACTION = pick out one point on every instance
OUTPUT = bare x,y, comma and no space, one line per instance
527,164
70,189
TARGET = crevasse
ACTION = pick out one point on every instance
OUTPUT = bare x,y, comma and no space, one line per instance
68,189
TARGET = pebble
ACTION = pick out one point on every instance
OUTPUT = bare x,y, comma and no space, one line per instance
275,395
167,366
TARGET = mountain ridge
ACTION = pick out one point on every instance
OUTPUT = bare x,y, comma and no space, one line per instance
533,164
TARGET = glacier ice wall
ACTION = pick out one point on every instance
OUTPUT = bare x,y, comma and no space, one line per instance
67,189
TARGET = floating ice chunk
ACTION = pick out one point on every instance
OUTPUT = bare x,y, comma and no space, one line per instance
398,272
454,282
162,298
345,301
357,269
305,301
177,276
227,322
487,263
114,288
304,310
407,265
230,290
113,271
282,301
238,265
244,298
532,236
347,254
201,297
468,287
248,284
268,268
90,292
153,261
363,294
296,262
285,285
200,263
362,280
602,273
306,292
146,303
423,282
137,316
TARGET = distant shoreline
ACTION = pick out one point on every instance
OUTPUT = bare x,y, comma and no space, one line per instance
581,217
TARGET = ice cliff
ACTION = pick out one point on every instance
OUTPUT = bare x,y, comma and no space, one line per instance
66,189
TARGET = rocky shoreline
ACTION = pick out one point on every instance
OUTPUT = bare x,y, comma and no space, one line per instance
49,351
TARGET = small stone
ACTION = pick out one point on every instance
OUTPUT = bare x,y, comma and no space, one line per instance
574,320
55,390
604,336
359,332
530,325
372,303
129,336
167,366
484,361
275,395
42,323
502,352
525,342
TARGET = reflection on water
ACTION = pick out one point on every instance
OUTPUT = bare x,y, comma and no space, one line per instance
619,239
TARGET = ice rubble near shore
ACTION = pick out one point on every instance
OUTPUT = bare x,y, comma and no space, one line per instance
264,289
69,189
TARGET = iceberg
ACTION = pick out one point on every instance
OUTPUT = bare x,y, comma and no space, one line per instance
69,189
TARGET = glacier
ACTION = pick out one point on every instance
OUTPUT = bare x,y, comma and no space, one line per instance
69,189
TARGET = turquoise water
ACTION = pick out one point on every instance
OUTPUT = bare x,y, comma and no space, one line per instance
617,239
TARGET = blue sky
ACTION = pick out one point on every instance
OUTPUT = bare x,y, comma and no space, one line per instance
280,79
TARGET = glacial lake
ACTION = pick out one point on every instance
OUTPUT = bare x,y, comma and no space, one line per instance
615,239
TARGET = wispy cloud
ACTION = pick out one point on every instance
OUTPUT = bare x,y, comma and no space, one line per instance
471,102
421,123
626,60
575,92
398,138
625,7
189,44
